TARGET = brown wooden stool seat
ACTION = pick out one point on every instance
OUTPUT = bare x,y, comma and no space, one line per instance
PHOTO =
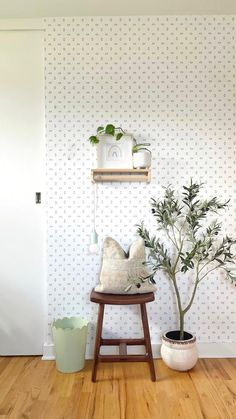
122,299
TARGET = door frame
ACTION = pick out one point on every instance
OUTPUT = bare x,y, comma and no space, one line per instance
31,25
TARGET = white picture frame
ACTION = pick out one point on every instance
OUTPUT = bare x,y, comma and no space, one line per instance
113,154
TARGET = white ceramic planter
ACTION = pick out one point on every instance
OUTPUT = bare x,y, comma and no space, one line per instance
142,159
179,355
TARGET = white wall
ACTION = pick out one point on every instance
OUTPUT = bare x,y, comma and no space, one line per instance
170,81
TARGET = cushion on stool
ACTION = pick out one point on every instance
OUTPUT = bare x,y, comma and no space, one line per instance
120,270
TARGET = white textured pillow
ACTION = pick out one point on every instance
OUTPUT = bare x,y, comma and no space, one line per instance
119,270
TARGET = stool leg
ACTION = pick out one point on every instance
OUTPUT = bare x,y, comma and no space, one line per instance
97,341
147,340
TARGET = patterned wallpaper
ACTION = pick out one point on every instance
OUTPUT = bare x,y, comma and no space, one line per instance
171,82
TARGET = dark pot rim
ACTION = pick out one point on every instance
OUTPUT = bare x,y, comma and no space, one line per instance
188,340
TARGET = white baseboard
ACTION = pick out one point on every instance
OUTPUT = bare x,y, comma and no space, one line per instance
48,352
217,350
206,350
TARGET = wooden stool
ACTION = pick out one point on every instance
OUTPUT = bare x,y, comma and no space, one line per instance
118,299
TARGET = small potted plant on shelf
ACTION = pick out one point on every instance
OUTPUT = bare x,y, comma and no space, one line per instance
111,152
141,155
192,247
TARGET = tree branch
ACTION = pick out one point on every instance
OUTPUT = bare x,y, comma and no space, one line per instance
170,238
194,290
178,255
207,263
210,270
176,243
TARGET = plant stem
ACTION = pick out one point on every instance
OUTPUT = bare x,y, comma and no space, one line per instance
176,244
120,129
194,289
178,255
192,298
181,324
173,277
203,266
181,312
172,241
210,270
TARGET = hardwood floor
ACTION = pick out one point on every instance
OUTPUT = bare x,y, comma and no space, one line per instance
32,388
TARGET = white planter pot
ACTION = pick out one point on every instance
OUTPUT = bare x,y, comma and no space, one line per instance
180,355
142,159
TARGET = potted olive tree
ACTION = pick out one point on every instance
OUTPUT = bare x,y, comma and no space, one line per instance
188,243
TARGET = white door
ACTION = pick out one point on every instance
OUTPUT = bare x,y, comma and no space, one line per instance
22,259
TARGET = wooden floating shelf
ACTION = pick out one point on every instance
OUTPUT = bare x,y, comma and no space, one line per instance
121,175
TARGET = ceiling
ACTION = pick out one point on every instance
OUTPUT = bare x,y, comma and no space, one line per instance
10,9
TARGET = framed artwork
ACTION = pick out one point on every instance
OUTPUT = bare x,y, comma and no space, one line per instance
113,154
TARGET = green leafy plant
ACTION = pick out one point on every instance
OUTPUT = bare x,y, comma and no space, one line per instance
140,146
110,129
194,246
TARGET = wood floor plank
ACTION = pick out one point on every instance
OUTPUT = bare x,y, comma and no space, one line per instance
15,367
224,386
211,405
33,389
